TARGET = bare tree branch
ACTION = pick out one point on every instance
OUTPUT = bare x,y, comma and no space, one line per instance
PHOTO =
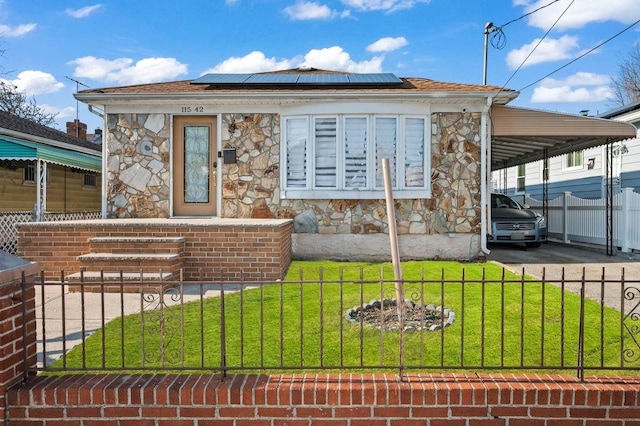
15,102
626,85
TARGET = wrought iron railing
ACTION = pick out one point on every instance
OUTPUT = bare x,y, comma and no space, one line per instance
338,323
8,221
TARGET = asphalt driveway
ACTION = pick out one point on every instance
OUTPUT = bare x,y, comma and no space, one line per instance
552,260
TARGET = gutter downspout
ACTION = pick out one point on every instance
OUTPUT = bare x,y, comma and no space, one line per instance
103,179
485,153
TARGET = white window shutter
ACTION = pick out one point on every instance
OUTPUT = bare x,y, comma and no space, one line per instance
386,129
414,153
355,156
326,138
296,140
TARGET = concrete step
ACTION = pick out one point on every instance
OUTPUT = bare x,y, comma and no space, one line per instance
110,282
137,244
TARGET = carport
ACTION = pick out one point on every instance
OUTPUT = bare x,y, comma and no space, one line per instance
520,136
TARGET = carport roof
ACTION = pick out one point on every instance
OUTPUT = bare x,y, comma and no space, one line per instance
520,136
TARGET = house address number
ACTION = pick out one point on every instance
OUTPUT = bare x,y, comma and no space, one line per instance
192,109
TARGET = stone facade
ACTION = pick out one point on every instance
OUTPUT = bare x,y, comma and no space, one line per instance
139,178
138,165
250,187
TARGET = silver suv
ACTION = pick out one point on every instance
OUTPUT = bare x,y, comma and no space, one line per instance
511,222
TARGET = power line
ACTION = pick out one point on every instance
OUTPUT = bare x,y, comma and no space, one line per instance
527,14
536,46
582,56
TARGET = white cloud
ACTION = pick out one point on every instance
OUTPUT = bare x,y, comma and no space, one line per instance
550,49
20,30
253,62
83,12
34,83
387,5
66,112
387,44
335,58
580,13
125,71
581,87
330,58
304,11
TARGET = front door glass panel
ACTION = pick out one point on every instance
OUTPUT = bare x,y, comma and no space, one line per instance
197,157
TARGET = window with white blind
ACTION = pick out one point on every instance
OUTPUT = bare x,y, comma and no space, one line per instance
340,156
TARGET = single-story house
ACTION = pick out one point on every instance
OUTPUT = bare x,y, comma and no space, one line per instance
306,144
45,170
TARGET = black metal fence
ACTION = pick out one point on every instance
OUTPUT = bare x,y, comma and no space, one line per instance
341,320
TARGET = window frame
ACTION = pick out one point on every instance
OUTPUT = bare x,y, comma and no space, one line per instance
91,176
565,163
370,190
521,178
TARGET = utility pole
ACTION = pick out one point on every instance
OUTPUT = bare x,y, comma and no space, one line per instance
488,29
78,83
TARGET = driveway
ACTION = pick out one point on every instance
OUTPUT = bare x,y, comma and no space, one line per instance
554,259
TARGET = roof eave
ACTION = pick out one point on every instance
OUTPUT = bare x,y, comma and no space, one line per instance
111,98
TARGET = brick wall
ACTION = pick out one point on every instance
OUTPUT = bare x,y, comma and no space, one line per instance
336,400
17,316
213,251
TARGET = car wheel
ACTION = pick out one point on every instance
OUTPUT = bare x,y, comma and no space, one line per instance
533,245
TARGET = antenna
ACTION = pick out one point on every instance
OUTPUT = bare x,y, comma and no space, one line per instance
78,83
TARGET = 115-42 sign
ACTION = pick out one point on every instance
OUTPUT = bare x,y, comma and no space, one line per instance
192,109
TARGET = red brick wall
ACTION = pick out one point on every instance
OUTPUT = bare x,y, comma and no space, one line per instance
336,400
17,315
212,252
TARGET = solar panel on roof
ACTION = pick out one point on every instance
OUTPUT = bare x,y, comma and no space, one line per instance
323,79
337,79
381,78
272,79
221,79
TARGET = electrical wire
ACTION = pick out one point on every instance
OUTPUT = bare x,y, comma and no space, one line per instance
530,13
535,47
582,56
499,38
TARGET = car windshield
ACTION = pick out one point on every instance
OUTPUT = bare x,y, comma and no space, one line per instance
499,201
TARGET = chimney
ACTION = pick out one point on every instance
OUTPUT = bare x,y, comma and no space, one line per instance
77,128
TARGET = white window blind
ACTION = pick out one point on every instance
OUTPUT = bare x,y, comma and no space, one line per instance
385,147
326,139
296,140
355,152
414,153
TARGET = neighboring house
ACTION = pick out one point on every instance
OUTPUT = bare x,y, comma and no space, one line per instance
582,172
43,169
306,144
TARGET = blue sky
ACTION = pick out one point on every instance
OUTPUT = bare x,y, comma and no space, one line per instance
119,42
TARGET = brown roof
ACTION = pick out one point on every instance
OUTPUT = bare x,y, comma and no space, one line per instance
409,85
22,125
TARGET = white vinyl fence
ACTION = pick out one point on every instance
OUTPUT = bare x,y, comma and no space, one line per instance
584,220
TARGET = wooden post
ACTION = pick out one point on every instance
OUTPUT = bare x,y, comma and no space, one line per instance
393,237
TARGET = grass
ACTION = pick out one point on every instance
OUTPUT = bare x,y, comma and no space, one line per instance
301,324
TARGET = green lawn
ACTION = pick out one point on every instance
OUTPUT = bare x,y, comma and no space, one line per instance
300,323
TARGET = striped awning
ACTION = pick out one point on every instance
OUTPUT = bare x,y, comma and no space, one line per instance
17,149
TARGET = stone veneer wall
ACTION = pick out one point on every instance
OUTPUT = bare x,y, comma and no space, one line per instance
138,166
251,187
